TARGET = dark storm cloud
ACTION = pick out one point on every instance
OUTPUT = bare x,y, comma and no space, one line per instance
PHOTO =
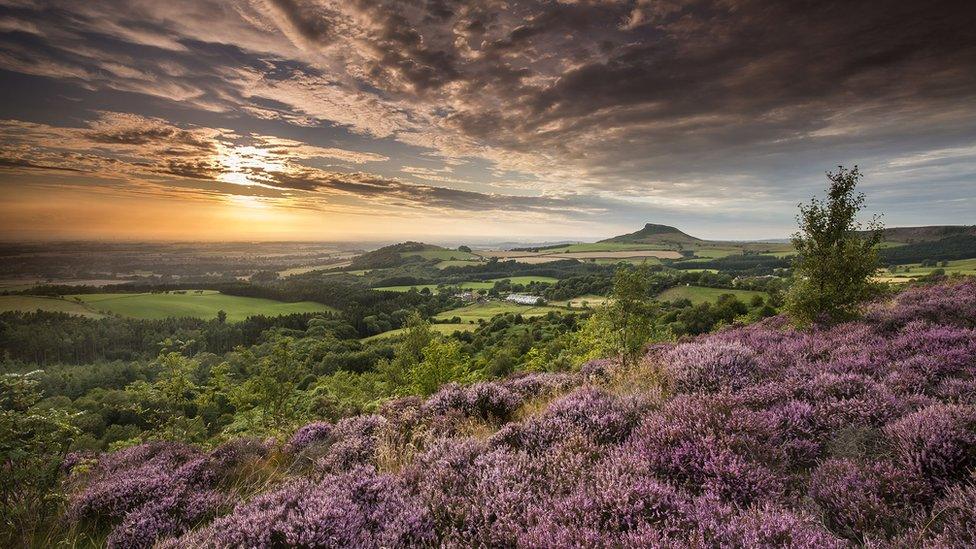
635,91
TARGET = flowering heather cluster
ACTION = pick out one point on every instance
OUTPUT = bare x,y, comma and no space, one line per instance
359,508
335,448
710,366
497,400
862,434
159,489
486,401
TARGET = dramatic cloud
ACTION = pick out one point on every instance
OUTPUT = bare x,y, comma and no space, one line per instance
127,147
666,105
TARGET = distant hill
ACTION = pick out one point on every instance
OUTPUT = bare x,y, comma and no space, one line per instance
394,255
930,233
653,233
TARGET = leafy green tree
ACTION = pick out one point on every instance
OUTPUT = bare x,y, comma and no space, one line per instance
834,264
595,338
442,363
33,444
270,392
625,324
344,394
168,404
631,311
409,353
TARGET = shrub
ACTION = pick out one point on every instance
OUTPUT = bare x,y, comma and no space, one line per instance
860,500
710,366
953,523
487,401
319,431
155,490
937,442
355,509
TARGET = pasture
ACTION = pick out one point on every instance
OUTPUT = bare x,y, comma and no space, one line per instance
624,254
32,303
311,268
525,280
700,294
191,303
911,271
458,263
581,302
445,329
629,261
604,247
486,311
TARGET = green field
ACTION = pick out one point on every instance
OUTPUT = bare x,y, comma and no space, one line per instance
418,287
716,253
473,285
360,272
699,294
916,270
446,329
605,247
591,301
629,260
194,303
485,311
31,303
306,269
458,263
525,280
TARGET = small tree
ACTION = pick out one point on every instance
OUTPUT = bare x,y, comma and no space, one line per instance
168,404
269,397
834,264
409,353
442,363
631,311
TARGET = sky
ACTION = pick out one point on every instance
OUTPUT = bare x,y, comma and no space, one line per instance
482,119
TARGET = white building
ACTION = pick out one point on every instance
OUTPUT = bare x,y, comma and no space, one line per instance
524,299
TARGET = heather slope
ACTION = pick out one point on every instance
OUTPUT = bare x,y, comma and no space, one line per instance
761,436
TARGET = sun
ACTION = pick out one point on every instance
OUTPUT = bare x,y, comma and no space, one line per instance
248,165
251,202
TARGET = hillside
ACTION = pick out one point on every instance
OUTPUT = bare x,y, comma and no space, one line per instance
405,253
654,234
757,436
931,233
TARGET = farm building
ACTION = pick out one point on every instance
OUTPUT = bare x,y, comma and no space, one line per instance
525,299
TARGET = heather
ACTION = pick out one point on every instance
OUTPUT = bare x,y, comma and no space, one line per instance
856,434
